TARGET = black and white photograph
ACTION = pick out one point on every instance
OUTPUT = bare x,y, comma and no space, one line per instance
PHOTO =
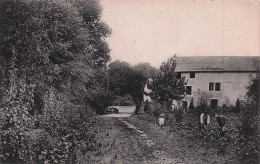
129,81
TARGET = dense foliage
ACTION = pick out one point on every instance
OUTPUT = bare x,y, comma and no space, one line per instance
238,106
248,139
125,81
147,70
191,107
52,64
166,86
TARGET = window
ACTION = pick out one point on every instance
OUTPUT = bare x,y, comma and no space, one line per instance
211,86
192,75
214,86
217,87
188,90
214,103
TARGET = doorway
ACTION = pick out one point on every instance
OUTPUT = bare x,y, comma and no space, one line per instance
184,104
214,103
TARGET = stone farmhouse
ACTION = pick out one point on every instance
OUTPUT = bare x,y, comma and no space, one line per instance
220,80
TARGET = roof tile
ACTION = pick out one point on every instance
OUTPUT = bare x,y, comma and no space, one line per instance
217,63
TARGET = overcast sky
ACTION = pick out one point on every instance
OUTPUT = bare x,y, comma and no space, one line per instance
154,30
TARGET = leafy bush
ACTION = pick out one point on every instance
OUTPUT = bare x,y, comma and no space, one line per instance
146,106
191,107
179,115
16,105
238,106
226,109
202,102
248,139
62,128
51,57
157,112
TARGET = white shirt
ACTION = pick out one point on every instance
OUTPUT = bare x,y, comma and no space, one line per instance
201,118
161,121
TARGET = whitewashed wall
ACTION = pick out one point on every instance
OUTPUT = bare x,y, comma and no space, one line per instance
233,86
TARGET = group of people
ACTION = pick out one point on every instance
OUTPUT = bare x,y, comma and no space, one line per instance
204,121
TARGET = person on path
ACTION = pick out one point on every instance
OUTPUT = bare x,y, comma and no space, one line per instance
161,120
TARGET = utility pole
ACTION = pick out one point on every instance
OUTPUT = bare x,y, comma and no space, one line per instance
107,83
107,79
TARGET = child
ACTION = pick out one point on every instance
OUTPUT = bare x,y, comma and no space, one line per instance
161,120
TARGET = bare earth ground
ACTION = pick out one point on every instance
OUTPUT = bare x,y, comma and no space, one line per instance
136,140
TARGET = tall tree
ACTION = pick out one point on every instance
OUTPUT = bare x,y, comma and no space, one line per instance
146,69
53,43
91,12
124,80
49,45
167,86
51,57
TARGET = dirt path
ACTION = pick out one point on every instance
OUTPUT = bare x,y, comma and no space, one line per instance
130,139
118,144
158,155
134,145
122,142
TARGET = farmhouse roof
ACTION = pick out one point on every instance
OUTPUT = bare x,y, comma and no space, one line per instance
217,64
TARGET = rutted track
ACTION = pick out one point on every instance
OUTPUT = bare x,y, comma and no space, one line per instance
158,156
144,137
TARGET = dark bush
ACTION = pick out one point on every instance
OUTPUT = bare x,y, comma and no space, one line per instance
238,106
47,76
146,106
191,107
248,138
179,115
224,108
156,113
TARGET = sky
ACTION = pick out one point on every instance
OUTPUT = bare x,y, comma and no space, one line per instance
154,30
